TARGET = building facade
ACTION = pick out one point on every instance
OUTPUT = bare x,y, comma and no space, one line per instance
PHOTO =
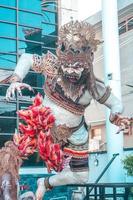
98,119
30,28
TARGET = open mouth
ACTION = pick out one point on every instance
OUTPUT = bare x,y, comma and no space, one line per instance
72,79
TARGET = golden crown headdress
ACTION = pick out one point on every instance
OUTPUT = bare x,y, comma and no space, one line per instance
78,35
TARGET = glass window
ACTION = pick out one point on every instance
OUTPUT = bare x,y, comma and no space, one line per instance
33,160
34,79
8,2
130,23
49,29
96,133
41,91
49,17
7,14
30,19
7,30
29,39
4,138
25,104
34,5
7,45
122,27
49,41
128,137
35,37
97,138
52,6
26,33
7,125
7,109
22,47
7,61
30,47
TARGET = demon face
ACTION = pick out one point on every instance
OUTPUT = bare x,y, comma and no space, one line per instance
75,49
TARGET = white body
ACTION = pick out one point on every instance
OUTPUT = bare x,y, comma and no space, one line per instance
62,117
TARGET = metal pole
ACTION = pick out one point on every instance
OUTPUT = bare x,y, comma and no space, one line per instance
104,170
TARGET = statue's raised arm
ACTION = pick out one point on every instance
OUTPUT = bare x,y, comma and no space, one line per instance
104,95
26,62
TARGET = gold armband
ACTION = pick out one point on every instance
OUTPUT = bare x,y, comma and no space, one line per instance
47,184
106,95
37,63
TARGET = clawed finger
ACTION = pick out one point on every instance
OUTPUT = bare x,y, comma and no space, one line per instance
7,96
126,121
127,130
19,92
119,130
24,85
13,93
10,95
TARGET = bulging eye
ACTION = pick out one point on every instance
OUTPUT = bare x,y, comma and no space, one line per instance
85,48
76,51
62,47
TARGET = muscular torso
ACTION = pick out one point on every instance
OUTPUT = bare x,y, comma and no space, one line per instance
66,98
60,93
62,115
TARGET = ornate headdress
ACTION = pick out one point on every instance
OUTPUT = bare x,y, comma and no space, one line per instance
76,39
76,44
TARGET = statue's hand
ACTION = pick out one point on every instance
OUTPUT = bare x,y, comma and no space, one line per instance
124,123
10,94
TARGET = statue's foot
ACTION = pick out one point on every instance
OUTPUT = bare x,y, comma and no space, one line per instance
40,189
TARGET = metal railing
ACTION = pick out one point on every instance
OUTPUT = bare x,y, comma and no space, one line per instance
89,191
104,170
108,191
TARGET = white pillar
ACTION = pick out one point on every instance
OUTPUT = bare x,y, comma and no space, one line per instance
112,67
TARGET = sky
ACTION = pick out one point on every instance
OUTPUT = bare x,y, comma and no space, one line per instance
87,8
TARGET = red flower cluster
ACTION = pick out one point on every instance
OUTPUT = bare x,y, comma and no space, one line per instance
35,133
50,152
26,144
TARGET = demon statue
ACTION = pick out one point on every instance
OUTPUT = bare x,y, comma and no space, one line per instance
69,88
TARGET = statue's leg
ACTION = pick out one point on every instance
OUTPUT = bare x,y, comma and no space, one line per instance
67,176
27,196
76,170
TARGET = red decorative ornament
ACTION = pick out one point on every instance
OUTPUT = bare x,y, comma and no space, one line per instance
35,134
